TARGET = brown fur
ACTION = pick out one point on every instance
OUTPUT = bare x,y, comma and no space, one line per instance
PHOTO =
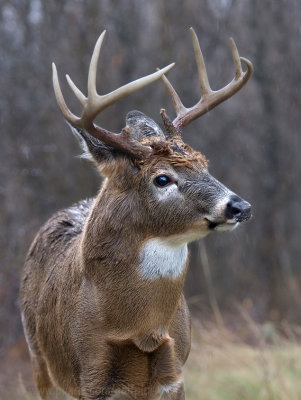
102,287
94,326
72,302
173,151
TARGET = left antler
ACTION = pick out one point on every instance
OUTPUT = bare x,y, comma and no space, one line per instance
94,103
210,98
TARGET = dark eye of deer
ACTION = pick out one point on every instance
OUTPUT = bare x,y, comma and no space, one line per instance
162,180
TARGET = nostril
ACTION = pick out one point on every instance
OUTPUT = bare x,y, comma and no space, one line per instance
236,209
240,210
232,209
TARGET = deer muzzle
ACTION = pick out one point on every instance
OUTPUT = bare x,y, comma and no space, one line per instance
229,210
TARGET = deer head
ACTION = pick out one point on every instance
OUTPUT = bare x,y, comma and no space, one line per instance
168,186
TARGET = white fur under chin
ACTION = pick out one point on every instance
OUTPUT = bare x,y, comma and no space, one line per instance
159,258
167,257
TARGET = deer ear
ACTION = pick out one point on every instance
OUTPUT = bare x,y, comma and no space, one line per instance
93,149
142,126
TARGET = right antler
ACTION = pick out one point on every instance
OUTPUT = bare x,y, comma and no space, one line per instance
210,98
94,103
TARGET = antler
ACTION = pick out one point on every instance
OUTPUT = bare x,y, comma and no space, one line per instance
210,98
94,103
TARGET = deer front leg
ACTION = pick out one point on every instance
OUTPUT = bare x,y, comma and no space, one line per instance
114,371
167,372
95,382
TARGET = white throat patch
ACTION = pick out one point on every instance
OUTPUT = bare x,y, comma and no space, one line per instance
159,258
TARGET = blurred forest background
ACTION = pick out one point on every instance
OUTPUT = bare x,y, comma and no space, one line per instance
252,141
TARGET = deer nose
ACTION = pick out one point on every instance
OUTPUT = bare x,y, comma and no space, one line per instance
238,209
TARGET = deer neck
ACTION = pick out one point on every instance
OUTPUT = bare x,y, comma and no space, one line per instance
146,274
114,235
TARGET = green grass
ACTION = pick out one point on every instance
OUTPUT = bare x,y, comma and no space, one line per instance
222,367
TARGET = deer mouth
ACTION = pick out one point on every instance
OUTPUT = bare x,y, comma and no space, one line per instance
221,226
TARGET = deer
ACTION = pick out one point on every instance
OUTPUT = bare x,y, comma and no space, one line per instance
101,294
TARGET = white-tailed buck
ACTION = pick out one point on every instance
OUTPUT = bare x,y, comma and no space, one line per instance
102,288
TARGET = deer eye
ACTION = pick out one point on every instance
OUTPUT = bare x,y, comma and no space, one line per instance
162,180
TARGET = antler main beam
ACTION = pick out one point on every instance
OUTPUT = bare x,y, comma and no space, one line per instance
94,103
210,98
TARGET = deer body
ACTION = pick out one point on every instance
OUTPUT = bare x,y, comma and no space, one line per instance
105,313
102,288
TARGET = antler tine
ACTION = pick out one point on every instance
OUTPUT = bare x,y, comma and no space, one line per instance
210,98
93,66
118,94
175,99
94,103
91,75
69,116
236,58
204,82
80,96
